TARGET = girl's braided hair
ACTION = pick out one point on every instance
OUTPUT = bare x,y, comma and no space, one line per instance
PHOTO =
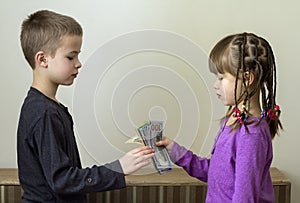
246,52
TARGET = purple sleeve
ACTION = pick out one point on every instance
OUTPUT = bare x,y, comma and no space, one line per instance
195,166
253,159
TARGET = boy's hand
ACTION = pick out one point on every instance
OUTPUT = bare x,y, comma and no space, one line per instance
136,159
168,143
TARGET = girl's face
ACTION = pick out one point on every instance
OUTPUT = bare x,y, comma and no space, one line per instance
63,67
224,86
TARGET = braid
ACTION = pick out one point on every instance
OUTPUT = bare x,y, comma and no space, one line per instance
240,65
270,85
242,68
269,103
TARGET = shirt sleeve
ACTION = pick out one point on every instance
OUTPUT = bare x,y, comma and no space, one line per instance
251,164
194,165
62,175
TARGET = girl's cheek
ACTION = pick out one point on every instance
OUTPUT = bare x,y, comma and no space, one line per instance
216,84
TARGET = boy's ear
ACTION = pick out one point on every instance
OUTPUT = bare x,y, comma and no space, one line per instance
41,59
249,77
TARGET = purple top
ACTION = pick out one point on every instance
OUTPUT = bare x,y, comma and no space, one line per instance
239,168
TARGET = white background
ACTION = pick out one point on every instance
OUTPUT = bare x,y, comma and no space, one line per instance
204,22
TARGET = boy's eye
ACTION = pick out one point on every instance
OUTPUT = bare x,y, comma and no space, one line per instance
70,58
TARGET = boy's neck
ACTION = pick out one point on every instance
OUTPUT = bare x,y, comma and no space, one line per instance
46,89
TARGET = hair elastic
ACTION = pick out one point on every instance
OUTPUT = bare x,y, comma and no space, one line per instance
274,113
240,115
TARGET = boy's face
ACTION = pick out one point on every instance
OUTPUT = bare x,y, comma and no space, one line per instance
63,67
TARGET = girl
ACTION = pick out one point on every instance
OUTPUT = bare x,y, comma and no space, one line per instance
238,170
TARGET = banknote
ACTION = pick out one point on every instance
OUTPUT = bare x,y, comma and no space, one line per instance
151,132
135,140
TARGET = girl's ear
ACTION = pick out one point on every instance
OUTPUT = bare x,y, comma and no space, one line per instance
41,59
249,78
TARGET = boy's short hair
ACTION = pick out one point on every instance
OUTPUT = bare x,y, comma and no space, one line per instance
43,31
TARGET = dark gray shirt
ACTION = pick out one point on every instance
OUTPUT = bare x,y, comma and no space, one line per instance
48,159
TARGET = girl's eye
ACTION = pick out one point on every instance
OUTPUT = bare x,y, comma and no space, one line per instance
70,58
220,76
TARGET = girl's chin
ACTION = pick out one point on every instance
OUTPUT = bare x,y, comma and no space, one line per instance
227,103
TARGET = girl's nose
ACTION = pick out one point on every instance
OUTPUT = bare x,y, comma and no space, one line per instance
216,85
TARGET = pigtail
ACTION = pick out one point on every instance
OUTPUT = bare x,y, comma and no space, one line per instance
267,81
271,109
241,115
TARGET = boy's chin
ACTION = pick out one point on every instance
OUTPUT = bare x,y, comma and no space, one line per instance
67,83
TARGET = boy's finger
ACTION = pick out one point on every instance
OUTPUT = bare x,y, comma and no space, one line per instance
144,158
145,152
143,163
139,149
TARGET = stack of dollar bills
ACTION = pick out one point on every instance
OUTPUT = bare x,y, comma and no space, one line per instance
150,133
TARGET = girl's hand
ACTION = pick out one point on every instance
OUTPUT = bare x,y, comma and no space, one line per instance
136,159
168,143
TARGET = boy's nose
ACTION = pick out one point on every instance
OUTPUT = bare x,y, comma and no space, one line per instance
78,65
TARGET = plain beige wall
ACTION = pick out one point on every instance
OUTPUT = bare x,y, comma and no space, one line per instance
203,22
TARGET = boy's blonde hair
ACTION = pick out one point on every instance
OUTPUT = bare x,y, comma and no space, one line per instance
43,31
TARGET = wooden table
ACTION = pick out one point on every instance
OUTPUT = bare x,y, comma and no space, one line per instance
174,187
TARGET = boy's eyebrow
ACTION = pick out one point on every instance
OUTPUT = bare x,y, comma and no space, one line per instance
75,52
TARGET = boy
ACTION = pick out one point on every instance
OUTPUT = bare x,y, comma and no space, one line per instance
48,159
